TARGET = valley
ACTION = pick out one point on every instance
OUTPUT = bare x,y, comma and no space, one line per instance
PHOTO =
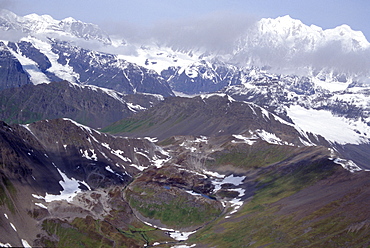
179,148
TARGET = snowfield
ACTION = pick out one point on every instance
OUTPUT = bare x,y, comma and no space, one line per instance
333,128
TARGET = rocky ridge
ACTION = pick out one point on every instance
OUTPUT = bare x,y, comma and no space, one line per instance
90,105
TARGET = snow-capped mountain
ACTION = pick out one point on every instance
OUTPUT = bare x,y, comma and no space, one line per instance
280,64
47,50
46,25
298,37
282,45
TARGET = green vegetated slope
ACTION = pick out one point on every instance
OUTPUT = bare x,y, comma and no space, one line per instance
7,191
300,198
252,157
118,229
160,195
312,203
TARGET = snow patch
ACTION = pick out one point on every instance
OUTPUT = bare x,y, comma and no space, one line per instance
41,205
177,235
70,189
237,202
333,128
109,169
213,174
271,138
38,197
265,114
119,153
246,140
153,140
5,245
25,244
158,162
31,67
347,164
85,128
201,139
85,154
306,143
181,236
139,167
180,94
135,107
206,96
12,225
183,246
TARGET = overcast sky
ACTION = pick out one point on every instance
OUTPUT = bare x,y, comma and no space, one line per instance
323,13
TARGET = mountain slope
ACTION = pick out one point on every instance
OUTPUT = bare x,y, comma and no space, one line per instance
209,115
285,212
89,105
59,179
55,60
11,72
220,115
45,164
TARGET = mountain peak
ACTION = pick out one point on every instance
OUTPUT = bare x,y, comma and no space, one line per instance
47,25
69,19
287,19
282,21
39,18
345,29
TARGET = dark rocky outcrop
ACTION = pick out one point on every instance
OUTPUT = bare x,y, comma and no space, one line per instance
11,70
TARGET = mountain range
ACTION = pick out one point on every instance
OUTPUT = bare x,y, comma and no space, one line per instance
106,142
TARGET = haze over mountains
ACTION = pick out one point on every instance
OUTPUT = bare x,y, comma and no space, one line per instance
98,148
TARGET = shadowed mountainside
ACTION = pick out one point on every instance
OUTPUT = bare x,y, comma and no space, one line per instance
89,105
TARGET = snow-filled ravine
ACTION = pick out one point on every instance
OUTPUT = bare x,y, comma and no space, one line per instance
236,202
70,190
218,180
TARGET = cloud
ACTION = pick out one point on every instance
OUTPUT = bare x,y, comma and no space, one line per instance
11,35
334,55
215,32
